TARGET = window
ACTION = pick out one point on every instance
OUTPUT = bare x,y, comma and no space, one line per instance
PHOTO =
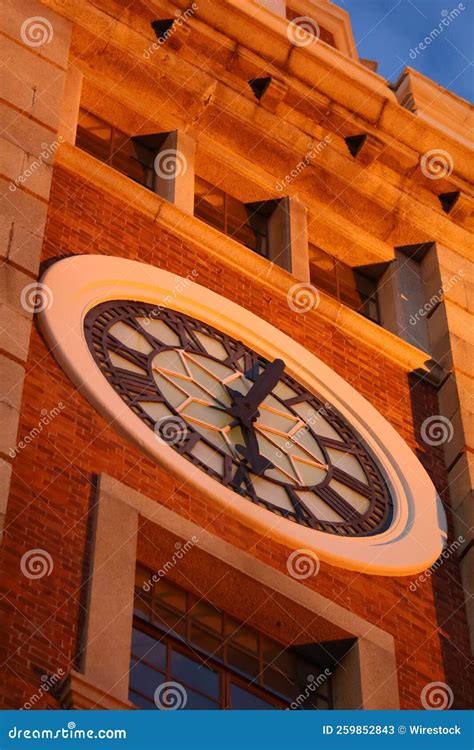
130,155
220,662
351,286
246,223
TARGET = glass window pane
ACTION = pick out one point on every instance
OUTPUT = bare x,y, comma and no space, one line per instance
169,621
242,662
242,635
207,615
209,203
93,135
149,649
166,594
130,157
144,678
139,700
195,701
277,681
245,700
192,673
207,642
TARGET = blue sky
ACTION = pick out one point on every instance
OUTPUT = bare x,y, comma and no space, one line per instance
387,30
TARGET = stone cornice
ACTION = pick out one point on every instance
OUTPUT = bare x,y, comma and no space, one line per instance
79,693
237,258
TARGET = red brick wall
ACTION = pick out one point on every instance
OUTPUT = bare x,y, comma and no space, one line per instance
51,491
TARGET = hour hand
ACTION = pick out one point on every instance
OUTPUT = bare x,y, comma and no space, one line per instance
245,407
251,452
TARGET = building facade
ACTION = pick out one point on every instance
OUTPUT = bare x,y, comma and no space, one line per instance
227,182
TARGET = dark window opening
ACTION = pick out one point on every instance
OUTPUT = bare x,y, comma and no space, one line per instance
220,663
245,222
132,155
354,287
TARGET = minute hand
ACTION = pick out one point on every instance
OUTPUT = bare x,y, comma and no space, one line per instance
245,408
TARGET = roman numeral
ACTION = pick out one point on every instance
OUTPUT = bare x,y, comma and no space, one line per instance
140,386
240,481
240,352
337,503
351,482
183,329
131,355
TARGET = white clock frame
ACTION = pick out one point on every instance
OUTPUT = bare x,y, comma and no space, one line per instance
417,532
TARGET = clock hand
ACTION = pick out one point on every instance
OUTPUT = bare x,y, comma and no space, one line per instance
251,452
245,407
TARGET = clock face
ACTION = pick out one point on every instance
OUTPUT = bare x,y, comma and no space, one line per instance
239,417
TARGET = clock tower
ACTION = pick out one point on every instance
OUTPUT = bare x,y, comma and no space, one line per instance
237,363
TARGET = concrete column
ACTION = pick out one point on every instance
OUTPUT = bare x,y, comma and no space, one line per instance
288,237
69,113
367,678
35,48
450,277
174,168
109,627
